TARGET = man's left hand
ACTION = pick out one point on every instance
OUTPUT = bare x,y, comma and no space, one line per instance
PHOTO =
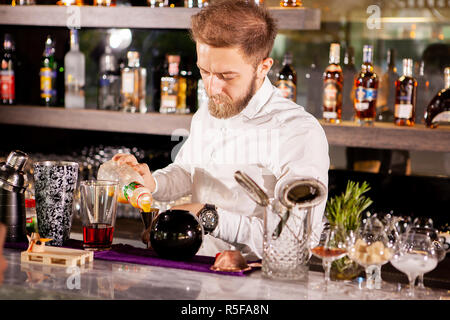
193,208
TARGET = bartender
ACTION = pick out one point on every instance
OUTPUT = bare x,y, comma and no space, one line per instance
248,125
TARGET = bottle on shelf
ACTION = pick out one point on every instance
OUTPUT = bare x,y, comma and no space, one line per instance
405,96
105,3
70,3
48,73
74,74
438,110
131,83
366,86
349,72
173,87
7,74
131,184
424,92
143,90
290,3
109,82
191,87
386,96
332,87
155,3
287,78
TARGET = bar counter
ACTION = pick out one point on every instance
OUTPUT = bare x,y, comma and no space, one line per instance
107,280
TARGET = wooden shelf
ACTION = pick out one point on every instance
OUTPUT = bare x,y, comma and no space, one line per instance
379,136
97,120
388,136
136,17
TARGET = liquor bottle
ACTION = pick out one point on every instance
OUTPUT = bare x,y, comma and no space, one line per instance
143,90
74,70
387,89
130,90
332,87
287,79
438,110
109,82
173,87
191,87
48,74
131,184
105,3
349,72
7,75
405,96
366,85
424,92
290,3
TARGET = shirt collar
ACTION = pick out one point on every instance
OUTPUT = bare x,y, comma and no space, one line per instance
259,99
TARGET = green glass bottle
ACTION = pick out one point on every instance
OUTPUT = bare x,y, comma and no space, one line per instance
48,74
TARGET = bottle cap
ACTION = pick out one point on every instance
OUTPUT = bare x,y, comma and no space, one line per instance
407,67
133,58
335,53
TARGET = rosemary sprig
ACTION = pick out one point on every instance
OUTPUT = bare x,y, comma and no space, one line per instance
345,210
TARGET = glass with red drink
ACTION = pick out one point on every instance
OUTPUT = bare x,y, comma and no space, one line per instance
98,213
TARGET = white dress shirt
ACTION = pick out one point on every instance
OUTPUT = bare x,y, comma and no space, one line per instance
272,140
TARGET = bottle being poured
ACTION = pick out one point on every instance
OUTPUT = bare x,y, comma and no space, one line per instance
131,184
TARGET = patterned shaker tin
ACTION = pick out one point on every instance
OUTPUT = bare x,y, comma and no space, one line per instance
55,184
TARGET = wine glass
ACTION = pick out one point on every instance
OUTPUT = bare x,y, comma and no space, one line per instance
333,246
414,254
433,234
371,249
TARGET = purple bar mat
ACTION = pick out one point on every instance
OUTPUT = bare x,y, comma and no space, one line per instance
129,254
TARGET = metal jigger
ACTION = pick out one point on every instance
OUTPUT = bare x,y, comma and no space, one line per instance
147,220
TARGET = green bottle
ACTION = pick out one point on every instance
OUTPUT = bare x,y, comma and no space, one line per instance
48,74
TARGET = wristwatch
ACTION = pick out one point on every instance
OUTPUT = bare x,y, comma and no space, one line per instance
208,218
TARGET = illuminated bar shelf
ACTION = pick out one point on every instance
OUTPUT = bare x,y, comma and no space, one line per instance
136,17
379,136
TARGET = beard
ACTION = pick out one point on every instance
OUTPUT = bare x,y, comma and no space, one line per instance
222,107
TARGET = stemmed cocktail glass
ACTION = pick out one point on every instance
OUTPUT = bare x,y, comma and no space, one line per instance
414,255
333,246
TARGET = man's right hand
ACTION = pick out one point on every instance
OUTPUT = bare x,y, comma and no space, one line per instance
141,168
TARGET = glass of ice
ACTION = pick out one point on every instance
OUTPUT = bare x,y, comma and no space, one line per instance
414,255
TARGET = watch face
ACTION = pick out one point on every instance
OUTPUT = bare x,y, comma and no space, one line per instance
209,220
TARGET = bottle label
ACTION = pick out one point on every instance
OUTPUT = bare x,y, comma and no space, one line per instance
361,106
442,117
168,102
7,84
47,77
127,82
332,93
129,189
329,115
405,94
288,89
403,111
366,94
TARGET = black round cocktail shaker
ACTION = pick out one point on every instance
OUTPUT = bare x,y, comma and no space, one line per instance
13,183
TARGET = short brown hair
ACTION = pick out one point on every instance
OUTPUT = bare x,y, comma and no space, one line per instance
241,24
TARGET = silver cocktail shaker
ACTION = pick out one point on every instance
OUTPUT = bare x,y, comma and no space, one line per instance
13,183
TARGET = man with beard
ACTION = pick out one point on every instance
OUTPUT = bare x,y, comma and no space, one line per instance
248,126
